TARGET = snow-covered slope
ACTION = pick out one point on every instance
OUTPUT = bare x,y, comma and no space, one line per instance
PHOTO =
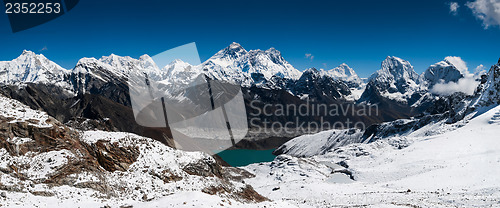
44,163
430,161
14,111
457,168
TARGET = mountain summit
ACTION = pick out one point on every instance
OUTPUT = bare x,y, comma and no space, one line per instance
451,69
396,80
347,74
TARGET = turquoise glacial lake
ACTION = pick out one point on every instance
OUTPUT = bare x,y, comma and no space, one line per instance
243,157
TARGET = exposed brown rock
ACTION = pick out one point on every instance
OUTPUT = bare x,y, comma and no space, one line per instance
207,167
111,156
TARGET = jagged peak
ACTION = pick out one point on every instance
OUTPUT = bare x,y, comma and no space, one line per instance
311,70
235,45
394,59
86,60
273,50
397,67
234,51
28,52
490,92
343,70
177,61
146,57
28,56
112,58
343,65
398,74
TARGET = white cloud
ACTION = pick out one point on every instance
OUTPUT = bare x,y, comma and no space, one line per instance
459,63
454,8
466,85
480,70
309,56
487,11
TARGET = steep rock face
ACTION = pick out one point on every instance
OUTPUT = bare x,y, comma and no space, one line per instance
396,80
490,92
398,88
318,87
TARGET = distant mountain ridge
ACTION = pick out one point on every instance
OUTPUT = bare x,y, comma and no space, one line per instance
95,88
396,80
264,69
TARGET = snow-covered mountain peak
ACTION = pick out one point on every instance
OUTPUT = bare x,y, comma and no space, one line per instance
345,73
233,51
269,63
145,57
451,69
177,66
85,61
27,52
29,57
126,65
311,70
344,69
31,68
235,45
396,80
397,68
236,65
178,61
148,63
117,61
273,51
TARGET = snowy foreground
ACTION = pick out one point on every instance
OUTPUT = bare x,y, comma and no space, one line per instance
44,163
457,168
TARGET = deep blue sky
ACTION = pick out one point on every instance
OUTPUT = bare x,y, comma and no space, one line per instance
359,33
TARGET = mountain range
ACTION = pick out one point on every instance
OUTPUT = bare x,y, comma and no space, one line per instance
94,88
64,137
396,80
